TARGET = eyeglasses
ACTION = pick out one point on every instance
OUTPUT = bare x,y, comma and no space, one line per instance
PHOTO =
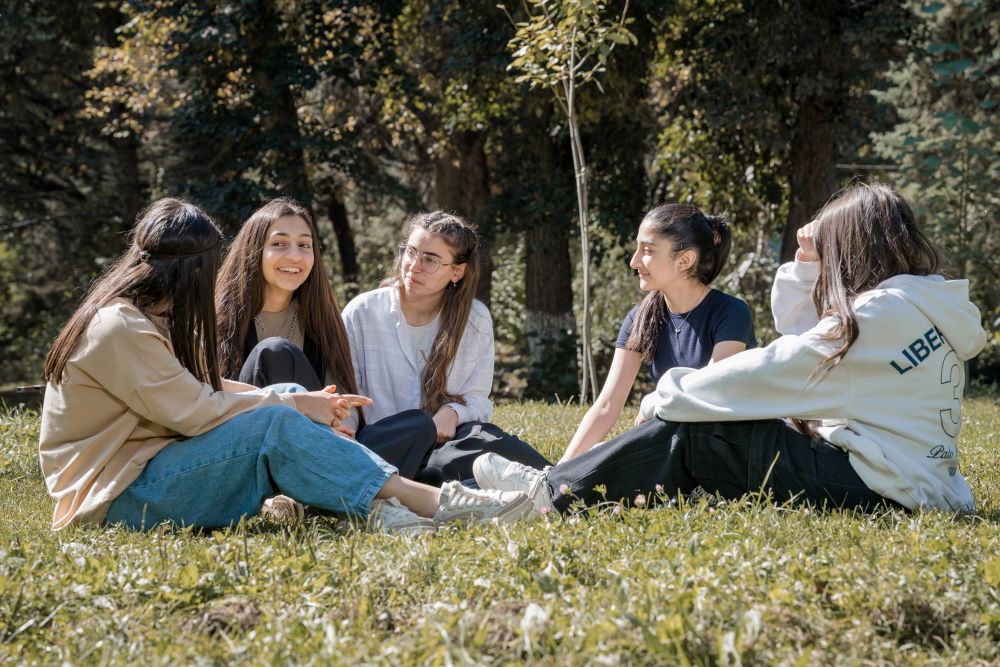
428,263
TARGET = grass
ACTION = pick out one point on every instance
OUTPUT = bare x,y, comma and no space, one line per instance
742,583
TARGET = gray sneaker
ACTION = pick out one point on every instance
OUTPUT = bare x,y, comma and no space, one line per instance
391,517
460,503
282,509
493,471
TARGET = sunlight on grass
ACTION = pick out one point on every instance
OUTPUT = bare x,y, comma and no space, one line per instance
742,583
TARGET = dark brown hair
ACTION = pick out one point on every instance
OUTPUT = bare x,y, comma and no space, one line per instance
172,260
240,297
456,303
687,228
866,234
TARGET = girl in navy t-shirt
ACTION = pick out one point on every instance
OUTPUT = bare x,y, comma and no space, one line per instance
681,322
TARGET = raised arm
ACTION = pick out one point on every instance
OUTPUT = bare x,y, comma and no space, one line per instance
791,294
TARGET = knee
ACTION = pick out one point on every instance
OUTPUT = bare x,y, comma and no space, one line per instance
286,388
420,420
277,345
279,414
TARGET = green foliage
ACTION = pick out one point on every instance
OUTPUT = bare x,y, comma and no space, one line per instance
107,105
945,91
565,41
740,583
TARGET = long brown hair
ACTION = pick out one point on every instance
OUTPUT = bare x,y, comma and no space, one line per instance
172,259
687,228
240,297
866,234
456,304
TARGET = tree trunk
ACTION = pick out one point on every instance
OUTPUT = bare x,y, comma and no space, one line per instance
814,145
280,119
814,175
549,325
346,248
129,184
462,184
126,148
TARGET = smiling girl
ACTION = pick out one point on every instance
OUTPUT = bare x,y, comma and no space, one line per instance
424,341
138,428
681,322
279,322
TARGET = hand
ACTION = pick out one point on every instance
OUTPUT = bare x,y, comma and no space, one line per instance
806,236
328,408
345,431
639,421
446,421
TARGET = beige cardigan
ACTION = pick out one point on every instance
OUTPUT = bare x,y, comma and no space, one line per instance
123,398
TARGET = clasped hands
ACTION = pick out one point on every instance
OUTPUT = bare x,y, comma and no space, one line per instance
329,407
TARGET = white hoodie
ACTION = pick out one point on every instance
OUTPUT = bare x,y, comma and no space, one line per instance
894,402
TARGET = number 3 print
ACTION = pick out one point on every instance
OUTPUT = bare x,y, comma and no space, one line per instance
951,374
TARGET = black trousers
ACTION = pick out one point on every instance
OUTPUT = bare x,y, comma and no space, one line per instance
727,458
408,440
277,360
453,459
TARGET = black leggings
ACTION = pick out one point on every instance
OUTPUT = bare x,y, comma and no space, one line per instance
727,458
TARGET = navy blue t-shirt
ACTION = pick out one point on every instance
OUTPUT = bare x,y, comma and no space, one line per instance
719,317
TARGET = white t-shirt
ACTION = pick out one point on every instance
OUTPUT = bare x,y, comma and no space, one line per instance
422,340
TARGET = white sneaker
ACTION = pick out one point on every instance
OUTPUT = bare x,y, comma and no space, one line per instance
391,517
460,503
282,509
493,471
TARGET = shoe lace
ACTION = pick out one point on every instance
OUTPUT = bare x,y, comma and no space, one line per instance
390,509
461,496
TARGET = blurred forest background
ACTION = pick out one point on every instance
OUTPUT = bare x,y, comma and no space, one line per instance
371,111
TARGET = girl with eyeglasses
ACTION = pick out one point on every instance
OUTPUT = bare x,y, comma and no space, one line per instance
279,322
424,341
138,427
682,321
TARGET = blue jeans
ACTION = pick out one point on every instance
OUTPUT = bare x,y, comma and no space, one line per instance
216,478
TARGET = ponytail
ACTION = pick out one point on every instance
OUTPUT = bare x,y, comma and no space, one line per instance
711,260
647,325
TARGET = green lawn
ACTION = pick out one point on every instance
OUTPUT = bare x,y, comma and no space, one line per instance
744,583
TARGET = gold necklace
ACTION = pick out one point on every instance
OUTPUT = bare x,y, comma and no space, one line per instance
291,329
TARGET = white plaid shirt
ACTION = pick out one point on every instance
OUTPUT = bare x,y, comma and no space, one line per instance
386,369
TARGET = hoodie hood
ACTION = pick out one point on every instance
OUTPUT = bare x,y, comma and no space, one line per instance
946,304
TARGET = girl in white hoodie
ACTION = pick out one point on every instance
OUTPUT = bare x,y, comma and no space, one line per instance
857,404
